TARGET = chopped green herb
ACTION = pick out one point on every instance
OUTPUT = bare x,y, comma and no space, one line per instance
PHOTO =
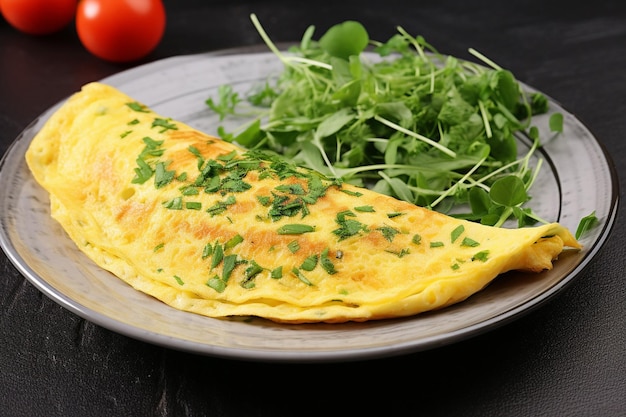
143,172
388,232
233,241
481,256
326,263
175,203
230,262
469,242
162,176
189,190
310,262
164,124
295,189
193,205
365,209
277,272
293,246
301,276
458,231
417,239
436,244
218,255
158,247
179,280
295,229
348,227
207,251
217,284
138,107
352,193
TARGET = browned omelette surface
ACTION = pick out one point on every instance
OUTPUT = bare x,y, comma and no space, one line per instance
209,228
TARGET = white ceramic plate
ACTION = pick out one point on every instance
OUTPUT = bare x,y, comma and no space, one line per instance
577,179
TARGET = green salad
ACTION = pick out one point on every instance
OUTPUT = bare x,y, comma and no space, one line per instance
397,117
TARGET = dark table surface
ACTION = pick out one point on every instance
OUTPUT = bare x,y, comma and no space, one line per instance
566,358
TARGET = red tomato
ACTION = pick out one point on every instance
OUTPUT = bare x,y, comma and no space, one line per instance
38,17
120,30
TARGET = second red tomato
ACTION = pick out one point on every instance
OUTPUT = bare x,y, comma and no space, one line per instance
120,30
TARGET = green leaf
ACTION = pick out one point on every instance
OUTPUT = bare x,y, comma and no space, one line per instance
508,191
345,39
586,223
556,122
334,122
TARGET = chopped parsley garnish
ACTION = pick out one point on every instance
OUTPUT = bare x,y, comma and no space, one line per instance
388,232
138,107
164,125
162,176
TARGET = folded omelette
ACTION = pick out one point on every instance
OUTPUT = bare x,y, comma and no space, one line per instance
210,228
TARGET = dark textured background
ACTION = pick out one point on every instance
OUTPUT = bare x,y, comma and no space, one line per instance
567,358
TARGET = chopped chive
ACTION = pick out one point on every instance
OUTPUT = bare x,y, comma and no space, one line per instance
175,203
310,263
293,246
233,241
352,193
207,251
193,205
218,255
469,242
295,229
436,244
217,284
326,263
456,233
481,256
277,272
301,276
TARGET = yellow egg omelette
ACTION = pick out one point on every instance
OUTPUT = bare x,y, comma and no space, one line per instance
211,228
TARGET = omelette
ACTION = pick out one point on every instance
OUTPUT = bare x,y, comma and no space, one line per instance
211,228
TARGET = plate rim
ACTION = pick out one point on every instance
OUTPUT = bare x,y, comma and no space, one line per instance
265,355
